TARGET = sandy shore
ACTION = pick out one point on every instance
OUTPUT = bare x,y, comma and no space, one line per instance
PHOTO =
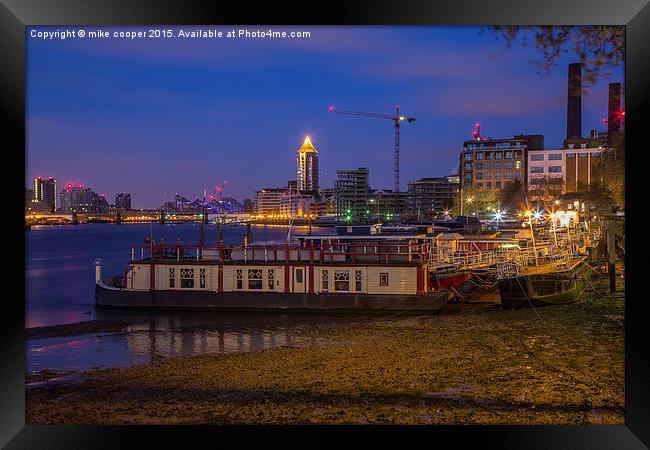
483,366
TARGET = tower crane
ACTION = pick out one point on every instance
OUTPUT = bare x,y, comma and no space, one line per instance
397,118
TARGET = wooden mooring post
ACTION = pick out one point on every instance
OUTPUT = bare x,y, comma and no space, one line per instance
611,252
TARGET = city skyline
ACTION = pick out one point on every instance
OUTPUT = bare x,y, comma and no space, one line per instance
154,117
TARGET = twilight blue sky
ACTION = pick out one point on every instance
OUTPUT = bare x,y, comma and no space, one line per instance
156,116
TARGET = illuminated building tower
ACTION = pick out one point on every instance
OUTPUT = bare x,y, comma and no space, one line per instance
38,189
307,166
45,193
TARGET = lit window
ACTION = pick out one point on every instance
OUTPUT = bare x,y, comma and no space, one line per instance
187,278
254,279
517,164
357,280
341,280
271,278
240,279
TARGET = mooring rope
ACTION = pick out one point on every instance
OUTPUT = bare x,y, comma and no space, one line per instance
528,298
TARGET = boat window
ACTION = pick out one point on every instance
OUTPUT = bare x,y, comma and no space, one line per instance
271,276
357,280
202,278
172,278
240,279
383,279
341,280
254,279
325,276
298,275
187,278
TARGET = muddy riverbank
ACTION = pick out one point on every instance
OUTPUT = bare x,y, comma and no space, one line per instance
488,366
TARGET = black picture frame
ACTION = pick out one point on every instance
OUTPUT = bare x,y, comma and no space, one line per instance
634,14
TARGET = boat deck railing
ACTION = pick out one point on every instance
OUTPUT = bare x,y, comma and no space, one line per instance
384,252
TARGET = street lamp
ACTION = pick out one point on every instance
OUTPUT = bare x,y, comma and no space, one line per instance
469,201
530,214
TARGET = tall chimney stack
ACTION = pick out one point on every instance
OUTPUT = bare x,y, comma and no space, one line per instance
614,109
574,102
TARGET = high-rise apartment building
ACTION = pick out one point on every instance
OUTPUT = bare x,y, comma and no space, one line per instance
123,201
80,199
307,162
45,193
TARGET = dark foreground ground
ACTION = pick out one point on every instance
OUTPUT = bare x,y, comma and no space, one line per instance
481,366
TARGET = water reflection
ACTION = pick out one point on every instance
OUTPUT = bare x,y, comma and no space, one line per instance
164,334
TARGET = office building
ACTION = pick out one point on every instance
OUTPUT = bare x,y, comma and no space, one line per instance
574,166
269,200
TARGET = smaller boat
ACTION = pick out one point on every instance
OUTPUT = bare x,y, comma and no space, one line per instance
539,289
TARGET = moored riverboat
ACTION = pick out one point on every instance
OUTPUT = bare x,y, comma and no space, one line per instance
373,272
553,287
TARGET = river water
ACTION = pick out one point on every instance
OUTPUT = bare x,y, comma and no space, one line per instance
60,283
